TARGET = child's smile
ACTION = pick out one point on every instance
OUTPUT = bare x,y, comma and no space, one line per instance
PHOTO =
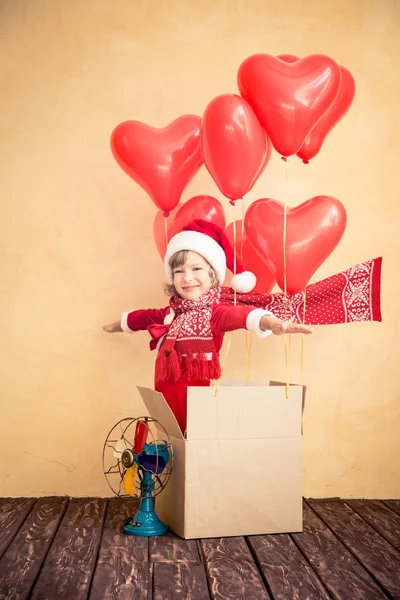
192,279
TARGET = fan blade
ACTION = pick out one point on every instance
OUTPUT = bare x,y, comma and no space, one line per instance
141,432
119,447
129,480
152,463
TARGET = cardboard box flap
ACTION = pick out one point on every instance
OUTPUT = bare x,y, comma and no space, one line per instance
238,382
159,409
243,412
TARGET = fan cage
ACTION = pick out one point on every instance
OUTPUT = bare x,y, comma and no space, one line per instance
123,433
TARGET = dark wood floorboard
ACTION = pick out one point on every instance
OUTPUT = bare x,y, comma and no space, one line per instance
359,537
286,571
13,512
68,568
340,572
23,559
393,505
179,580
75,549
170,547
231,570
122,569
380,517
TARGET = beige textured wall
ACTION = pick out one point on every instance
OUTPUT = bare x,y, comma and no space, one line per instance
76,232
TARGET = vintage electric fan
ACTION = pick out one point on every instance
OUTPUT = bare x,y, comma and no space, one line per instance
138,464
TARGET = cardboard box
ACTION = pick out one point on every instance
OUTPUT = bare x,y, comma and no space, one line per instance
303,396
239,472
303,393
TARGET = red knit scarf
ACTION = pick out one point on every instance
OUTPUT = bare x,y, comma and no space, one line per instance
188,351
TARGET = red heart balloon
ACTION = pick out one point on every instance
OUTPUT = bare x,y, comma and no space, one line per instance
313,230
162,161
333,115
234,145
251,259
289,98
199,207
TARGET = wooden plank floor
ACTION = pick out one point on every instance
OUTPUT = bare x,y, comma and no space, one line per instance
74,549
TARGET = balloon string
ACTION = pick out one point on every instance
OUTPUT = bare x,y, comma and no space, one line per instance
166,232
307,195
234,251
249,340
307,190
248,334
287,338
242,238
228,345
303,338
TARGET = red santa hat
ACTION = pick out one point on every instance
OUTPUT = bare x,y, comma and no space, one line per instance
211,242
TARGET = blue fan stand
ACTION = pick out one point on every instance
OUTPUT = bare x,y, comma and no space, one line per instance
146,523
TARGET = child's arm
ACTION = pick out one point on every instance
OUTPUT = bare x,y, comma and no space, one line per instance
259,321
137,320
271,324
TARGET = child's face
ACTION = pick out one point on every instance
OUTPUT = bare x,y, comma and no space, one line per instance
192,279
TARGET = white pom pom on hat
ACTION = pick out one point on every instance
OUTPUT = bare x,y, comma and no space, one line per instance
211,242
244,282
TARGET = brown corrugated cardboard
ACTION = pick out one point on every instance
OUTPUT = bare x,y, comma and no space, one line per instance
239,470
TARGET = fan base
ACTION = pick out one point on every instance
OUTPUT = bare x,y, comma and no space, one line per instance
145,524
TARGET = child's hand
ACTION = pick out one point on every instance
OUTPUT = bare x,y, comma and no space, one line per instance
113,327
279,327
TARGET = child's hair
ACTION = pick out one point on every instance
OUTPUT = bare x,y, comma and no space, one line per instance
177,260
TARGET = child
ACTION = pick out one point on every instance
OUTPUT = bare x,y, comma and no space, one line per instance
188,334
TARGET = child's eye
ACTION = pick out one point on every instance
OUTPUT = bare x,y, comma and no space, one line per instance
197,269
178,271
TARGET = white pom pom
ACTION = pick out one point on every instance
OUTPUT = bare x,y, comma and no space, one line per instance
243,282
